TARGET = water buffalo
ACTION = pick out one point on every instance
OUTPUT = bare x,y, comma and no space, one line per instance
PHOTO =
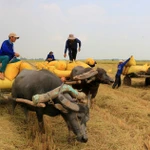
32,82
90,85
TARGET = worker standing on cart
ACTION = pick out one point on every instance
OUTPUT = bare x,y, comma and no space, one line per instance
119,72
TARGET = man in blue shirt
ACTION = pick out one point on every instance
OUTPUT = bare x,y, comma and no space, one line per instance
119,72
50,57
71,45
7,53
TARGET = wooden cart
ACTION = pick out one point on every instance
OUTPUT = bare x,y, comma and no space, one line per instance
128,77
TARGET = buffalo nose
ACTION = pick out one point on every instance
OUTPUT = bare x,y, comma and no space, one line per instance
82,139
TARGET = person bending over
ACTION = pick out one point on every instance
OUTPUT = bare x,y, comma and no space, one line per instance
119,72
71,45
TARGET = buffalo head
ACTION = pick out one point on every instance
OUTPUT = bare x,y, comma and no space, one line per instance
102,77
31,82
90,79
76,121
99,75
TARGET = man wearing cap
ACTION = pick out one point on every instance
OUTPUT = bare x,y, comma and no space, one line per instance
119,72
50,57
71,45
7,53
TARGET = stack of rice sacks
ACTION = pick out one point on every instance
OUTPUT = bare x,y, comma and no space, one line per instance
12,70
131,67
60,68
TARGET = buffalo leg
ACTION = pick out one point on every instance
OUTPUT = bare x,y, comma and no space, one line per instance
26,114
69,133
41,127
40,121
14,104
93,101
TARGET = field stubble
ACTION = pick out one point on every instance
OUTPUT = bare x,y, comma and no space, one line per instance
119,120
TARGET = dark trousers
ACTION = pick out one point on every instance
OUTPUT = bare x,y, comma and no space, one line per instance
117,81
72,54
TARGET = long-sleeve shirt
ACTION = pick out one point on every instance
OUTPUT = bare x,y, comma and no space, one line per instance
72,44
120,67
50,56
7,48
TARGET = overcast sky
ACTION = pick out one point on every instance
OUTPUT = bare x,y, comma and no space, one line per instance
107,28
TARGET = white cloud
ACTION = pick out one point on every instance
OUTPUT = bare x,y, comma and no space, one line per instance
86,13
51,7
7,4
52,11
57,37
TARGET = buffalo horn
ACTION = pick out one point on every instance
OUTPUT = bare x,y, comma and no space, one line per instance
90,80
26,101
81,95
73,82
54,93
86,75
68,104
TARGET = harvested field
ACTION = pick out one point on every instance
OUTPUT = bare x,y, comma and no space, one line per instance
119,120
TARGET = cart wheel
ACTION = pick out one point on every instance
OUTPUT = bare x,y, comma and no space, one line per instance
147,81
127,81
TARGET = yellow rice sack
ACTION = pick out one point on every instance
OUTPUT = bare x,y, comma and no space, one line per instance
38,66
12,70
62,73
43,65
131,62
80,63
45,62
125,70
61,65
6,84
71,65
136,69
52,63
25,65
51,68
90,61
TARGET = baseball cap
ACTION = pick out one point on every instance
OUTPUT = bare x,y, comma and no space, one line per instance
13,35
